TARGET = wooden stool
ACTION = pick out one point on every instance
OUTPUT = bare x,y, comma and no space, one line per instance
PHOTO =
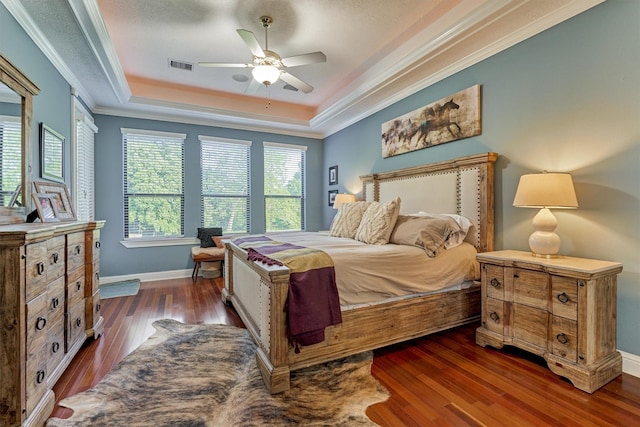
199,255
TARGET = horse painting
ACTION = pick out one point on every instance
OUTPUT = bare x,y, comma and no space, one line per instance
452,118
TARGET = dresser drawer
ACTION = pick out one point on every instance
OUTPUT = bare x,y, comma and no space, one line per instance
495,315
36,373
531,288
75,325
530,326
494,279
92,309
564,338
56,258
55,346
55,300
36,270
95,245
75,287
37,312
564,297
75,251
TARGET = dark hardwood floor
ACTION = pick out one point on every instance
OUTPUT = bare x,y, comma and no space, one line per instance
442,380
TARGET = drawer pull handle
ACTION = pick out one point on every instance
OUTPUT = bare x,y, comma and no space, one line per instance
495,282
97,244
98,307
41,323
562,338
494,316
40,267
55,257
78,322
40,376
563,298
78,285
55,302
55,347
78,249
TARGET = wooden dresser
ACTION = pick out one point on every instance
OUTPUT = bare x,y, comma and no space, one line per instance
49,305
563,309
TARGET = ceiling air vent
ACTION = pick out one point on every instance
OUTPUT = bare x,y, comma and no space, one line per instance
180,65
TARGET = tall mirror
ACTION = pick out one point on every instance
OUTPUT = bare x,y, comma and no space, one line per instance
16,106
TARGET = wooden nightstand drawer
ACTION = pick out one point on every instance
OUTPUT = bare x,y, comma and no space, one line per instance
564,338
531,288
55,346
36,373
530,326
564,297
495,315
495,281
56,255
36,270
55,298
75,251
75,287
75,325
37,312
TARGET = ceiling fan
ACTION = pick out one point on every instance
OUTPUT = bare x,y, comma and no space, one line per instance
268,66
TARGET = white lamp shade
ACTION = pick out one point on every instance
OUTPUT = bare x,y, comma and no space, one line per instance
343,198
266,74
546,190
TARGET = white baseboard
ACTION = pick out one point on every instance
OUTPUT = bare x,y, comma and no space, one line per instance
630,363
147,277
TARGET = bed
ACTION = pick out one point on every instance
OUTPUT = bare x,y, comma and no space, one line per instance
461,186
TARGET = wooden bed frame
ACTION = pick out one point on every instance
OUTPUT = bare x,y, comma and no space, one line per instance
258,292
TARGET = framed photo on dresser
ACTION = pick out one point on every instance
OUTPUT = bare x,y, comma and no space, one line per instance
61,197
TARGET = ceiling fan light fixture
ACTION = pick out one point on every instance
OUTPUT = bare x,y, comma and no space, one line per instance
266,74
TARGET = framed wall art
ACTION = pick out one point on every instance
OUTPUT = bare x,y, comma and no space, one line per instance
51,154
332,197
455,117
46,207
61,197
333,175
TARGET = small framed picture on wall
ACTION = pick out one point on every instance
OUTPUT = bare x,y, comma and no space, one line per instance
332,196
333,175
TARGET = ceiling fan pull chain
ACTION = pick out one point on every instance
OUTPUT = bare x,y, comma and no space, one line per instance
268,98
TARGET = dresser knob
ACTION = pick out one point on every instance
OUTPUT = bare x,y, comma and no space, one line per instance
41,323
78,285
562,338
40,268
98,307
78,249
563,298
40,376
98,244
54,303
495,282
55,347
494,316
78,322
55,257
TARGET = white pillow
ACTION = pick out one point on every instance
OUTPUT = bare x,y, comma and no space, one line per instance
378,222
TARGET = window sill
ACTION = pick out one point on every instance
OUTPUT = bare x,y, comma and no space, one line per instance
151,243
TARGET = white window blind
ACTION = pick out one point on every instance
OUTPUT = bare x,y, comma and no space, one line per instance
84,185
153,184
10,157
284,179
226,183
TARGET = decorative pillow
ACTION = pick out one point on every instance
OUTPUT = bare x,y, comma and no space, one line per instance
378,222
466,232
407,230
347,220
436,233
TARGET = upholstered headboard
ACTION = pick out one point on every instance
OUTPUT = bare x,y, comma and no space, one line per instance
462,186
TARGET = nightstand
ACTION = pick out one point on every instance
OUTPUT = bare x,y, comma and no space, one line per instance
563,309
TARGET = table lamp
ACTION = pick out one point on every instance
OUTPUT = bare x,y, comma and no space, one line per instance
544,191
343,198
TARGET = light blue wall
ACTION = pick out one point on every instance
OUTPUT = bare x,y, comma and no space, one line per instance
53,104
566,100
118,260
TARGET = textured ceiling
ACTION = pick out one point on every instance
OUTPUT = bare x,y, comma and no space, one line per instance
116,52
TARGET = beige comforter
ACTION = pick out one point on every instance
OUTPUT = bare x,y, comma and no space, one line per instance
370,273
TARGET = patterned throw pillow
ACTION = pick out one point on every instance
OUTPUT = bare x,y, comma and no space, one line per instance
378,222
347,220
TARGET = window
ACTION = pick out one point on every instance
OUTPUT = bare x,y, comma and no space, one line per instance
153,184
284,197
10,157
83,173
225,184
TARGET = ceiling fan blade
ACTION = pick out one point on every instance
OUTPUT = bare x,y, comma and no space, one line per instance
224,64
307,58
253,87
295,82
251,42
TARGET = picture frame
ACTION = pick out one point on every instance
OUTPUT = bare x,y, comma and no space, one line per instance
332,197
15,196
333,175
62,199
46,207
51,154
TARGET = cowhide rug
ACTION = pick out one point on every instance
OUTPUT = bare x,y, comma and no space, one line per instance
206,375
